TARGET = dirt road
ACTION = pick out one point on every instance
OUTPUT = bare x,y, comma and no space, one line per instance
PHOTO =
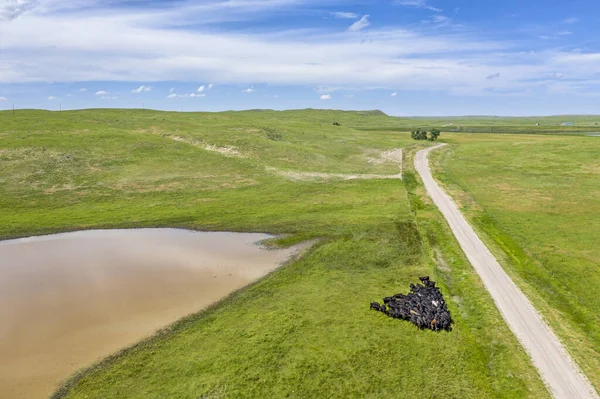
557,369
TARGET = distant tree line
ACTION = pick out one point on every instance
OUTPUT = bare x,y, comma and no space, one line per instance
421,134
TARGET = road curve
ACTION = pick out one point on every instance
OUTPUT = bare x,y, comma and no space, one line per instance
560,373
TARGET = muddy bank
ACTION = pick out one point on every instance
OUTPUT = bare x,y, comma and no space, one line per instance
68,300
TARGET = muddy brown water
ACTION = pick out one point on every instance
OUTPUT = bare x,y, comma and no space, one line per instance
68,300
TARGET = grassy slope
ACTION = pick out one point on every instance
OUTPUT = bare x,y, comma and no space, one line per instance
537,199
304,331
113,167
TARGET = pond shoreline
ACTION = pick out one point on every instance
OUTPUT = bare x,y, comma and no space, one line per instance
110,288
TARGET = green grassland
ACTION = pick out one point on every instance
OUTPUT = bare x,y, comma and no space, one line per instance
582,124
305,330
536,200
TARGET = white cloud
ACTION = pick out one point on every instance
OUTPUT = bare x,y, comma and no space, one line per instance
493,76
190,95
328,89
326,97
140,89
349,96
276,96
11,9
101,93
3,99
108,97
571,20
555,36
394,94
172,90
83,89
360,24
555,75
200,89
398,55
52,98
417,4
81,46
249,90
564,33
210,86
345,15
441,20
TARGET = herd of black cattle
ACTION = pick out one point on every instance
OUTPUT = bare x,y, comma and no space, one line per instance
424,306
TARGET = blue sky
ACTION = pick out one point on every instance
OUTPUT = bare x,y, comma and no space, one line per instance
405,57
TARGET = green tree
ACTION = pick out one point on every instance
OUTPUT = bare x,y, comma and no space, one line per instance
418,134
435,133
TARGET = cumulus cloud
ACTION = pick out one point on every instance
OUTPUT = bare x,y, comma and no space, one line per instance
394,94
101,93
360,24
325,97
3,99
210,86
345,15
52,98
493,76
200,89
11,9
172,95
417,4
249,90
140,89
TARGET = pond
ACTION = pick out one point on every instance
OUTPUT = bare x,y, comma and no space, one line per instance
68,300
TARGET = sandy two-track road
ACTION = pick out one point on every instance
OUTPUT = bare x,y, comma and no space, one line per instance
557,369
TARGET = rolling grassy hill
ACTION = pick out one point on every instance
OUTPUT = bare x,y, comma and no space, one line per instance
305,330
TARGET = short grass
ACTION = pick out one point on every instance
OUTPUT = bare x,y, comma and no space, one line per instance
62,171
537,199
305,330
582,124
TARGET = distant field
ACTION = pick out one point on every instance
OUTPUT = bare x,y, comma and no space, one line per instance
537,199
304,331
582,124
